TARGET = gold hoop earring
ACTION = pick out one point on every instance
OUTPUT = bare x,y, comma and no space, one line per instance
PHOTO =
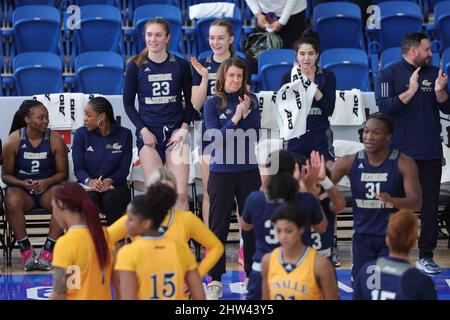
101,124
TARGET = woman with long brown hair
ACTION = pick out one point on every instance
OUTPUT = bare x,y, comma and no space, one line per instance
232,123
160,79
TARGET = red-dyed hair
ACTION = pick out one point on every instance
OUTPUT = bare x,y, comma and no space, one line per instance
74,198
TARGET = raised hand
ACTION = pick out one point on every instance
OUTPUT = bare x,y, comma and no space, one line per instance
441,81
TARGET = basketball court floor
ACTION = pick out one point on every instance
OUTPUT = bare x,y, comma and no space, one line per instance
15,284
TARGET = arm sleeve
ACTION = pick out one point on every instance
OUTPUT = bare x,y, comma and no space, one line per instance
186,85
328,101
123,170
130,89
387,101
445,106
313,204
253,120
124,260
186,257
62,254
79,165
203,235
287,11
247,213
254,6
212,118
117,231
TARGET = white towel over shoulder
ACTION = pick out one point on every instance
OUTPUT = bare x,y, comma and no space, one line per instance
349,108
294,101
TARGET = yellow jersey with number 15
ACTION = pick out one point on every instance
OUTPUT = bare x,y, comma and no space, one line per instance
160,265
293,281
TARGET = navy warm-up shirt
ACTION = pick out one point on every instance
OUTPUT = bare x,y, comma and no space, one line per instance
159,87
95,155
417,124
390,278
225,157
258,210
324,108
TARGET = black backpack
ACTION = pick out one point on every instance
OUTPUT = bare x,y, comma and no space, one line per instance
258,42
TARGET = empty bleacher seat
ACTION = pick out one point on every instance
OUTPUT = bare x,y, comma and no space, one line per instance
20,3
37,73
91,2
36,28
272,65
170,13
338,25
396,19
390,56
442,24
101,30
99,72
349,65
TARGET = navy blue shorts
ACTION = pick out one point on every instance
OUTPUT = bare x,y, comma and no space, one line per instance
163,135
366,248
35,196
321,141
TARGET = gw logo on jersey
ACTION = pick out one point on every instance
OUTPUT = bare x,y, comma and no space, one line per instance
426,85
116,147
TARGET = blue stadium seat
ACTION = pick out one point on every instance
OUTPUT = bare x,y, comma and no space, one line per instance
20,3
349,65
396,19
201,31
333,20
170,13
442,24
446,63
37,73
37,28
390,56
99,72
133,4
91,2
101,30
272,65
429,5
207,53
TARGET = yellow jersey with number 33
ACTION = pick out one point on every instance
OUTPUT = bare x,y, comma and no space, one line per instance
293,281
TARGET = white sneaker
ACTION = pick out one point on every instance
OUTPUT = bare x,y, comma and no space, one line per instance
214,290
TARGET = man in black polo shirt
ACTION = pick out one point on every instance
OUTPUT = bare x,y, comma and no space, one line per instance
412,92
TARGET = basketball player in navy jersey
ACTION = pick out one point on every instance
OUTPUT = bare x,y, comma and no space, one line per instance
393,277
282,187
204,74
159,78
381,179
35,161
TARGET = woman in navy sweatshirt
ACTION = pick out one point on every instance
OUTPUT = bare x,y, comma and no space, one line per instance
102,152
232,122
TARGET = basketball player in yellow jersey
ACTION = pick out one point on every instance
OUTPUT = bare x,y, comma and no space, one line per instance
294,271
82,258
183,225
154,266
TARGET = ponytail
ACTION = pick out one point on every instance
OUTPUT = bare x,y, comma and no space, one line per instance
25,109
282,185
74,198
